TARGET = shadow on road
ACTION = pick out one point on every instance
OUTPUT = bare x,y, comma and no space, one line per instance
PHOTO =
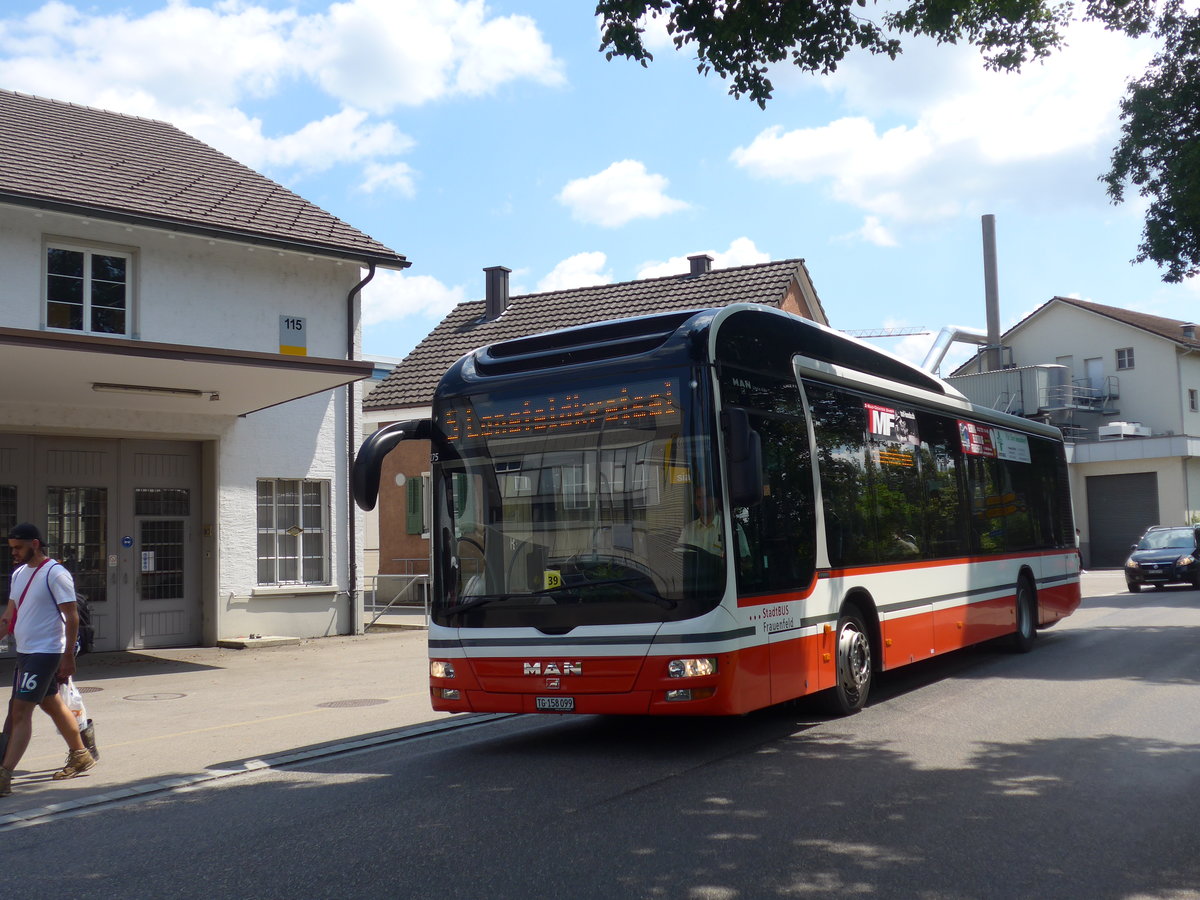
762,806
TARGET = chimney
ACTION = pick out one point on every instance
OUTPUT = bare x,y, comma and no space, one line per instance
701,264
991,292
496,297
1189,331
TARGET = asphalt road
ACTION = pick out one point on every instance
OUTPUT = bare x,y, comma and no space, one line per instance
1073,771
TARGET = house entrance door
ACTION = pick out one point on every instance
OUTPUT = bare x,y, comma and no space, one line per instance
158,556
121,516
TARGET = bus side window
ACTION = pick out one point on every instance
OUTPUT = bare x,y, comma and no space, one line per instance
842,449
941,462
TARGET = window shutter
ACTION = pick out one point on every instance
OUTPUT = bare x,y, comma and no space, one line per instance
415,506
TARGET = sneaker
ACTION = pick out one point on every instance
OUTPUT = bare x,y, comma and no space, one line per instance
5,781
78,761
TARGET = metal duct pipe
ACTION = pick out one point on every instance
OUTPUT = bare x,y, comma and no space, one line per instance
951,334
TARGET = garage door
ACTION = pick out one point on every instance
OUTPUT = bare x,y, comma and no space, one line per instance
1120,508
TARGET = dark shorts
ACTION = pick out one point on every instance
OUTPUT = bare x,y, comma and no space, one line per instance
36,676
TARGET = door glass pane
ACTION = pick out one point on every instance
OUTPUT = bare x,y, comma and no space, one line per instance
162,572
77,532
8,518
161,502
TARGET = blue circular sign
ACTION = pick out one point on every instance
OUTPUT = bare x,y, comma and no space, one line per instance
127,541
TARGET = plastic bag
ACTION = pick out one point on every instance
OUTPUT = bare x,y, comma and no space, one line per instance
74,700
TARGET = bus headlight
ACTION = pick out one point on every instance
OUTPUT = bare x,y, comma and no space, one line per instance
692,668
439,668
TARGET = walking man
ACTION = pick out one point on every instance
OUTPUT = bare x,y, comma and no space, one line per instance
42,601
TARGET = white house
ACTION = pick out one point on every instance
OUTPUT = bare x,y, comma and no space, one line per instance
1125,388
179,351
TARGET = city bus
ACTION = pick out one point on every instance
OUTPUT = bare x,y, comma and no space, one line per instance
713,511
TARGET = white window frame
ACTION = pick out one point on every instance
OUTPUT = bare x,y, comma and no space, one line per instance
1193,400
275,539
1127,361
89,250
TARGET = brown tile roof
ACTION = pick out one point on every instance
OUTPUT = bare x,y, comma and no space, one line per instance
412,382
61,156
1171,329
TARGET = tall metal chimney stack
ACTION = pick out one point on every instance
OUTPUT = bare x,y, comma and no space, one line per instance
991,294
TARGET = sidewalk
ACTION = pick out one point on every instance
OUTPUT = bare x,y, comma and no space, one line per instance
167,714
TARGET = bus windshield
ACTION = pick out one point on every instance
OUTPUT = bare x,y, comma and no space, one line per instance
595,504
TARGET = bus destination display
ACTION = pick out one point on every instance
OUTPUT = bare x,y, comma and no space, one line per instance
637,406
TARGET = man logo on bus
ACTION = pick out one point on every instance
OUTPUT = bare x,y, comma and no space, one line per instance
553,668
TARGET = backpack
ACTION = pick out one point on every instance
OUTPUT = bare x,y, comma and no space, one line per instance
87,632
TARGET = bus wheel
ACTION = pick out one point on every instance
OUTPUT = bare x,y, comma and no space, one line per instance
853,672
1022,639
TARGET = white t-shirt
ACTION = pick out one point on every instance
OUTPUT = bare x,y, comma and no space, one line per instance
40,627
707,536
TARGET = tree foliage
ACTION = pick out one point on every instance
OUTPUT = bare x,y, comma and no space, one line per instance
1159,150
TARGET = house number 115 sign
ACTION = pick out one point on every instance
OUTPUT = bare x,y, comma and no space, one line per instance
293,336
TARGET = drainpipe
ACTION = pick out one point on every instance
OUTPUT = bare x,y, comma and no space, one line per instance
352,561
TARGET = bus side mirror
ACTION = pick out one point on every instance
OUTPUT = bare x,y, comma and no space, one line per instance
364,476
743,453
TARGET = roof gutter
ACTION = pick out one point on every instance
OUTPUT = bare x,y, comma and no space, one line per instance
356,617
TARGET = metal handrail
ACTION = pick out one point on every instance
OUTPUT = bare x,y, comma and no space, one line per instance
409,579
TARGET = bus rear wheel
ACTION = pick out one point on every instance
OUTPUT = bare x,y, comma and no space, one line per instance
853,666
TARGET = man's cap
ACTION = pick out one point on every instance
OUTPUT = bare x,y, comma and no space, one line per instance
26,531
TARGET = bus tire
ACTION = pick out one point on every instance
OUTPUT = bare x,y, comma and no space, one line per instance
853,669
1026,613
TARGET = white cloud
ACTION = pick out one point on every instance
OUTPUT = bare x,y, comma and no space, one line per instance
621,193
398,176
387,53
873,231
741,252
394,295
959,138
580,270
197,67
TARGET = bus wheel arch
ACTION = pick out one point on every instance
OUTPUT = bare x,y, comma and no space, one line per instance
1026,613
856,655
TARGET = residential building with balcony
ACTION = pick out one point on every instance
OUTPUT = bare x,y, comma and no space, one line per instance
1124,387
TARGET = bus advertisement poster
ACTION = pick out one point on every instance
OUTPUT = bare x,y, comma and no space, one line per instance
892,425
976,439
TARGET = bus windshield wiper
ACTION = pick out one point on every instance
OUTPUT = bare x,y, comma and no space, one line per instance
477,600
639,593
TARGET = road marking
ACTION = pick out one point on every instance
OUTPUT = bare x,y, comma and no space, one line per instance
179,734
81,805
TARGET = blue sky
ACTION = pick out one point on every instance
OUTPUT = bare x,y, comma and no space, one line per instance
469,134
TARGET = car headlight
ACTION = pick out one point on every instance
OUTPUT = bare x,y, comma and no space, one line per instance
1132,564
1185,560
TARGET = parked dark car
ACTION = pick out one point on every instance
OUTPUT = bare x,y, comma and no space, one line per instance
1166,554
